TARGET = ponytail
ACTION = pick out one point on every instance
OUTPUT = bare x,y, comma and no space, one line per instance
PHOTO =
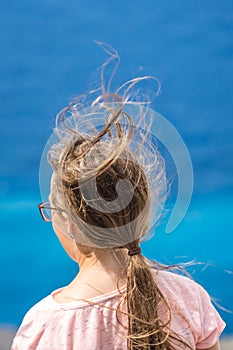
146,330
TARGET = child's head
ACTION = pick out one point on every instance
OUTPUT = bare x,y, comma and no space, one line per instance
102,180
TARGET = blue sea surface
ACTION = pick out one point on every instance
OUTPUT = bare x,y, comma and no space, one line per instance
47,58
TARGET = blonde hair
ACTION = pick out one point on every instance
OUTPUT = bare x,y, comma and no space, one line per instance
109,155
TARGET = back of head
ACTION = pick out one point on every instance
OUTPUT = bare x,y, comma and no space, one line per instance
108,178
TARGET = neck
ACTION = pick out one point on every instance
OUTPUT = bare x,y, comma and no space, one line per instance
100,271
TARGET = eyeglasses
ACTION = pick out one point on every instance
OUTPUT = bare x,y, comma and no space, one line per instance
46,211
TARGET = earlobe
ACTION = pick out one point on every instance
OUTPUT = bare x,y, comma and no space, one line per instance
70,229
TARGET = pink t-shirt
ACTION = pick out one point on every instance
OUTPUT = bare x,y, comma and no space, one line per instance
81,325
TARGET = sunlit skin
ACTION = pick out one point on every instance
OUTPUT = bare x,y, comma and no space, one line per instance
99,270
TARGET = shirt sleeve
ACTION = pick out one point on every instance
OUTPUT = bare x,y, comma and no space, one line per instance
30,331
211,323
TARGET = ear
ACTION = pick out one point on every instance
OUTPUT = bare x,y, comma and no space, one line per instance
67,242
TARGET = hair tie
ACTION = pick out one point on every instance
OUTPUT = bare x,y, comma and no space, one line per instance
134,251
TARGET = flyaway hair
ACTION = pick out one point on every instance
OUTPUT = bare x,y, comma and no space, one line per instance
110,179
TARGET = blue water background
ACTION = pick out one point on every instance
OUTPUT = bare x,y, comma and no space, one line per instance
47,57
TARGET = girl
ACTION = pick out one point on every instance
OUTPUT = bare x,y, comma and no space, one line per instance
108,179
